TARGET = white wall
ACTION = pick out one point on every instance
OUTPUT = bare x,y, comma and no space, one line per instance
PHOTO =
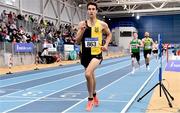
124,41
56,10
31,6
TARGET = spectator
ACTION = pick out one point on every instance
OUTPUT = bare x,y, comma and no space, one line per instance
4,16
10,18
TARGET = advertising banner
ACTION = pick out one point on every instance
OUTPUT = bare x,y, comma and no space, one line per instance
24,47
173,65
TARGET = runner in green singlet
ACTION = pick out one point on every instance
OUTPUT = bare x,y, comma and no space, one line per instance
134,47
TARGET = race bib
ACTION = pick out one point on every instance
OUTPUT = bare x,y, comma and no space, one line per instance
91,42
148,47
133,46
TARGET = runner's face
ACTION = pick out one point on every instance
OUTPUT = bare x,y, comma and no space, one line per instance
146,34
135,35
92,11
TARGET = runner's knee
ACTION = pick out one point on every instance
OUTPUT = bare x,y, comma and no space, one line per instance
133,59
88,73
148,55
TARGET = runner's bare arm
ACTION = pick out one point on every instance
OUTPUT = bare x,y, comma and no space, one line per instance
106,30
80,32
129,45
152,42
141,43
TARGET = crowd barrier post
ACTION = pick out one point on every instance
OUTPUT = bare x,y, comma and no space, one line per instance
10,64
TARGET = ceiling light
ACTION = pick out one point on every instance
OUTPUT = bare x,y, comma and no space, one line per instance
133,15
137,17
125,6
80,5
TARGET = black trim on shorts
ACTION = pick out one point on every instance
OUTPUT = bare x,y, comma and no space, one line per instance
155,51
85,60
135,55
147,52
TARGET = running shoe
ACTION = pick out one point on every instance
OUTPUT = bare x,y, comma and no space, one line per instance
148,68
89,105
96,101
133,70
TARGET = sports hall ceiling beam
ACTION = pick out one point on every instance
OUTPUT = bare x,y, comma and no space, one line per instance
46,3
85,1
141,11
20,6
161,6
68,14
76,12
58,22
153,5
80,18
54,9
42,8
112,8
116,7
120,3
98,1
62,2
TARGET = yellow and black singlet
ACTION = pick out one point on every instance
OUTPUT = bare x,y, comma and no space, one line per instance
148,43
91,43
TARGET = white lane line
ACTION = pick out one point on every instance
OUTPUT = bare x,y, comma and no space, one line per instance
57,91
97,91
66,78
36,78
68,99
61,90
138,92
43,100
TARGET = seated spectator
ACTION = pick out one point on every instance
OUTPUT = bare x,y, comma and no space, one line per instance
46,58
57,57
45,52
43,55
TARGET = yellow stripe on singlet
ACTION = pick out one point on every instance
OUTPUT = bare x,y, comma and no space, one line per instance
96,32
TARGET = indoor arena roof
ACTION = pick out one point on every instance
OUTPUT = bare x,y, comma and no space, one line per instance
124,8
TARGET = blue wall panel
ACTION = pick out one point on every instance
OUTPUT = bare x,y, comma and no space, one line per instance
167,25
